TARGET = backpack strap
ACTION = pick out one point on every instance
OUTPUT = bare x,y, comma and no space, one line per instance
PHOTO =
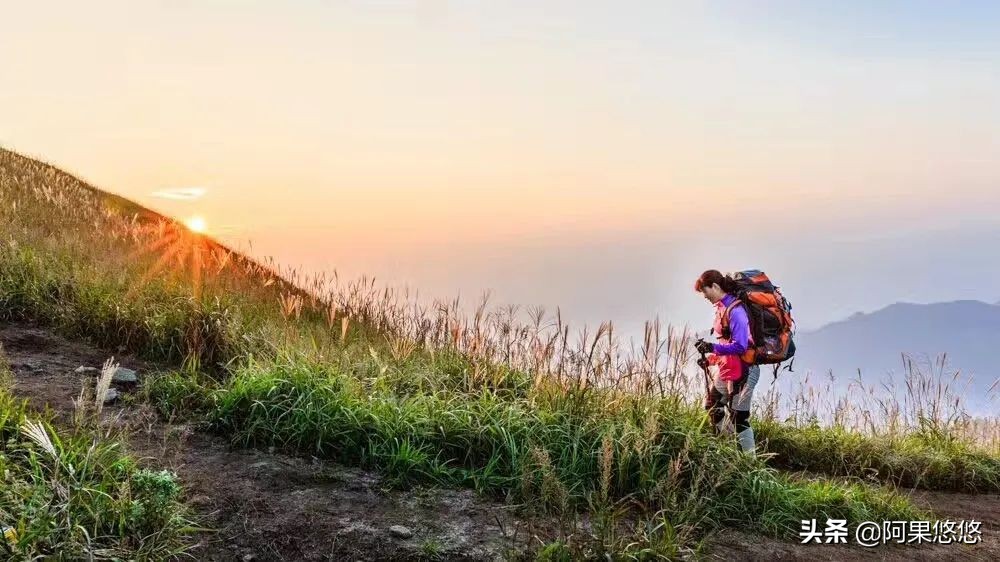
749,357
727,333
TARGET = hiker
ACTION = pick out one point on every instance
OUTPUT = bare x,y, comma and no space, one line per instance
733,385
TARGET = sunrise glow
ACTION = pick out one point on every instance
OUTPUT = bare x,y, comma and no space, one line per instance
196,224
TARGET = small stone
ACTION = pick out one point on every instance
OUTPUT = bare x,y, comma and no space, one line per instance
112,396
82,370
123,375
249,557
400,531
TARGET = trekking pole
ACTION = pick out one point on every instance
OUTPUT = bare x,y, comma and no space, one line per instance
703,363
725,399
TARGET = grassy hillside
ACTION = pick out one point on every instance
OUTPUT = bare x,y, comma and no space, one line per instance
511,403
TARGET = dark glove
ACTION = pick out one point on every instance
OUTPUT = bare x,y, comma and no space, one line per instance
703,362
704,347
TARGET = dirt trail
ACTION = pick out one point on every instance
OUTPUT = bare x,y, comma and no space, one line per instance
270,506
732,545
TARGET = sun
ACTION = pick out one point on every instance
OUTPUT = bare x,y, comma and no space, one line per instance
196,224
180,247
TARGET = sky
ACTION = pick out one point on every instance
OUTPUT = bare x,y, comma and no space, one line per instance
595,156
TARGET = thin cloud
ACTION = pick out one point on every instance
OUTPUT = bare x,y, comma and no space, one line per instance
181,193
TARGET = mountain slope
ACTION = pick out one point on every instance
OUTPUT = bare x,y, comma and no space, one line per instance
77,201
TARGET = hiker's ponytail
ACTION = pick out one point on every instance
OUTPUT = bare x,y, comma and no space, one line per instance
714,276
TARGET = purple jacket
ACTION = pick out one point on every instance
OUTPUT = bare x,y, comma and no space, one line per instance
739,327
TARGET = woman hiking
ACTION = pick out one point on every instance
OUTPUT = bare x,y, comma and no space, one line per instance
735,381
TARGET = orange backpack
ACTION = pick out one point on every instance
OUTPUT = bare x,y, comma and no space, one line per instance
770,317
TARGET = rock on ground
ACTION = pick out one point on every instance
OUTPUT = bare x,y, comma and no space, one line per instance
126,376
400,531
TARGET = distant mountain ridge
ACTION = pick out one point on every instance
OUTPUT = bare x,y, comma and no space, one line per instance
967,332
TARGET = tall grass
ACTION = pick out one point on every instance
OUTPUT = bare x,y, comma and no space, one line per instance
912,432
927,398
556,450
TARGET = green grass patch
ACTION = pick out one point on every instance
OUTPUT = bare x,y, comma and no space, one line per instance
557,451
73,496
918,459
84,301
